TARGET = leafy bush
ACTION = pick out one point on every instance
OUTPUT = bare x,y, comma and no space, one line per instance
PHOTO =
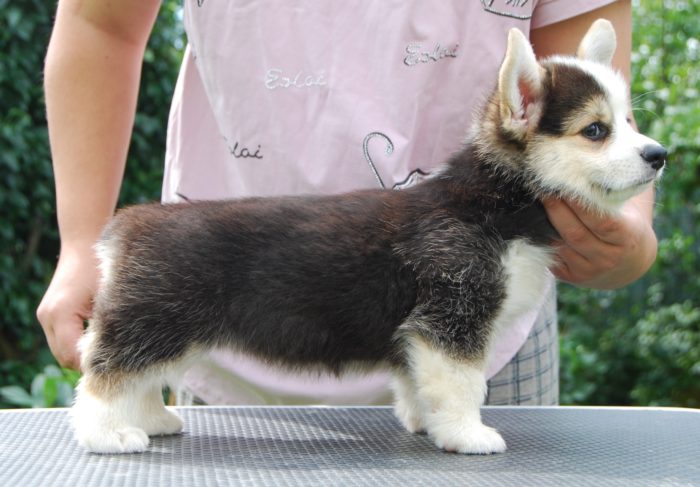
51,388
641,345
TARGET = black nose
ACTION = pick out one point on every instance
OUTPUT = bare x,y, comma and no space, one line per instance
655,155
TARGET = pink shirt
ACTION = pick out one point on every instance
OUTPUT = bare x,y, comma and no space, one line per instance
300,96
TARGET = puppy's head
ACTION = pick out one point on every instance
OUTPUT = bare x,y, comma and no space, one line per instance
563,124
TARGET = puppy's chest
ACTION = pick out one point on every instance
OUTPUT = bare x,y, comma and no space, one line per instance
526,276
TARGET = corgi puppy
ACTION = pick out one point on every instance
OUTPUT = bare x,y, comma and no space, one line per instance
418,280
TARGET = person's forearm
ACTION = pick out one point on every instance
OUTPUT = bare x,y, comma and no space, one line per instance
91,82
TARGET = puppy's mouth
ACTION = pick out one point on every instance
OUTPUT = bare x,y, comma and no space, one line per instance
621,193
634,187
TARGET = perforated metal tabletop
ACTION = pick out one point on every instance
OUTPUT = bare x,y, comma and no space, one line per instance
363,446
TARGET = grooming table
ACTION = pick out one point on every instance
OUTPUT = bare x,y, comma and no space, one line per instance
320,446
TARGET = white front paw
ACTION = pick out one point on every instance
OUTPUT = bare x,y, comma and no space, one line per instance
410,417
470,438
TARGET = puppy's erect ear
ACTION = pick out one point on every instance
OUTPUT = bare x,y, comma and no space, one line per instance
519,86
599,43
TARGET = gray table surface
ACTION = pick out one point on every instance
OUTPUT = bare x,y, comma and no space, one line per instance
364,446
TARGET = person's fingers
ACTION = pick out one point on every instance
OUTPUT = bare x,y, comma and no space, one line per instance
66,305
582,255
570,266
66,342
63,327
608,228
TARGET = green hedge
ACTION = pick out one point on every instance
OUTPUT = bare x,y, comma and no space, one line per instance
639,345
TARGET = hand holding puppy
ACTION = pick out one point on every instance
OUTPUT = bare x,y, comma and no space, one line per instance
602,251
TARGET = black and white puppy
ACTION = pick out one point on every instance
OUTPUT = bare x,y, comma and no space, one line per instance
419,280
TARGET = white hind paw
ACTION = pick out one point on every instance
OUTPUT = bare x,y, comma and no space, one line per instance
123,440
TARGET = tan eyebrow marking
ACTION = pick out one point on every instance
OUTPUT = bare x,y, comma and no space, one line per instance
595,110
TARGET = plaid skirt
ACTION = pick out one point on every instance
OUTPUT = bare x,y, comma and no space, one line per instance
531,378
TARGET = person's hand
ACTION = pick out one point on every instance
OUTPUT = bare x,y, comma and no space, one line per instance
601,251
68,303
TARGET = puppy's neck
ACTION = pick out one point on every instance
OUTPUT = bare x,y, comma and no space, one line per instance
478,189
489,174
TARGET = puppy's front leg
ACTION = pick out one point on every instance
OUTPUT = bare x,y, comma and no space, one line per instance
407,408
452,391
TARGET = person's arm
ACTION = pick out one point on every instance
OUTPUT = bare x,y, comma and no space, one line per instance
92,72
599,252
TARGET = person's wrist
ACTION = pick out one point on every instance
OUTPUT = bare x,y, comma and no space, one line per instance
78,248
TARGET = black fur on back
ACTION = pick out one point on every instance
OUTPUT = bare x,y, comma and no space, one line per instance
314,280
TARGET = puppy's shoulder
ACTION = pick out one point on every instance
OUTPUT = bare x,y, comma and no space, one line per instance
442,245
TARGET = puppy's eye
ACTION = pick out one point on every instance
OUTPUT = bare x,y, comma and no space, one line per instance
595,131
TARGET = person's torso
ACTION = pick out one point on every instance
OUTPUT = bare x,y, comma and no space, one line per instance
326,97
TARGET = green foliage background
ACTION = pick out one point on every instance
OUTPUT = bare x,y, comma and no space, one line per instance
639,345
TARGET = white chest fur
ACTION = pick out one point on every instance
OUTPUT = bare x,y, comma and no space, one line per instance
527,277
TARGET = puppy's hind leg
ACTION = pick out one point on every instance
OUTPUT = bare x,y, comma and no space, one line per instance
451,392
115,411
103,415
156,419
